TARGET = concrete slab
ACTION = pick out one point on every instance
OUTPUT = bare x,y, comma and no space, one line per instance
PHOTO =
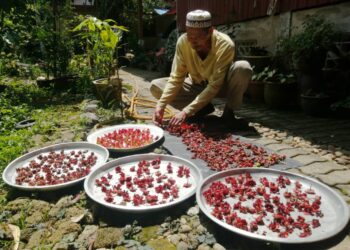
343,245
308,159
293,152
321,168
336,177
278,147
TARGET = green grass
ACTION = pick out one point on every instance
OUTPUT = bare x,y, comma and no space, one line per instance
21,101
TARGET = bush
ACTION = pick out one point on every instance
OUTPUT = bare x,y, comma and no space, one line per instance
310,44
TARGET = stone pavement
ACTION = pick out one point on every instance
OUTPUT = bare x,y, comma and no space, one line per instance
322,145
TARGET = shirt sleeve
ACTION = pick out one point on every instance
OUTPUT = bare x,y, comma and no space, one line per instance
176,79
223,61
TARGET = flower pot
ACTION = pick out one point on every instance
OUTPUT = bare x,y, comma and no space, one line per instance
311,82
109,92
280,95
316,105
255,91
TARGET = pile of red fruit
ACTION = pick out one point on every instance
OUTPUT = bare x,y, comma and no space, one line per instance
263,206
223,153
127,138
56,168
148,183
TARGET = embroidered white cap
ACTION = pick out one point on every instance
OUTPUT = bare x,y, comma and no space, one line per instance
198,19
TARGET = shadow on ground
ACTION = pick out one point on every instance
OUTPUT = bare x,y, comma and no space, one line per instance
326,132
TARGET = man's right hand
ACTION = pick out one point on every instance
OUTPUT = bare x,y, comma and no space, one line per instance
158,116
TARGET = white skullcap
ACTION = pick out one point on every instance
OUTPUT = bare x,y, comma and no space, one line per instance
198,19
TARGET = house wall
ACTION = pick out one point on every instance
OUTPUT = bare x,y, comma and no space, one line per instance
228,11
267,30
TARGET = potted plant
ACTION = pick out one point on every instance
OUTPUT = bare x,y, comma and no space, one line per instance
336,70
102,38
341,108
53,34
315,103
255,91
280,89
306,51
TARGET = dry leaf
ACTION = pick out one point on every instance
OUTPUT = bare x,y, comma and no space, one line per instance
77,218
16,233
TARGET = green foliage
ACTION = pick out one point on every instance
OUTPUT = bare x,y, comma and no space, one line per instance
273,75
78,66
35,31
127,10
315,37
130,231
19,92
170,45
344,103
10,115
13,145
101,44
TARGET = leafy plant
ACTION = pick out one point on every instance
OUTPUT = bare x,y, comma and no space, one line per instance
129,231
20,91
309,44
273,75
344,103
38,31
102,38
170,45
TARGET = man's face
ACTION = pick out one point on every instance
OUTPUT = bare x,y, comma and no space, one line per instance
199,38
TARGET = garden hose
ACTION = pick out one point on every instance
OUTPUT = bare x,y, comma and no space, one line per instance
136,102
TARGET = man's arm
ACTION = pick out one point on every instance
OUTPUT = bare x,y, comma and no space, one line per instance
215,82
176,79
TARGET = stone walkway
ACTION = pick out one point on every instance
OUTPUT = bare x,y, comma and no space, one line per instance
322,145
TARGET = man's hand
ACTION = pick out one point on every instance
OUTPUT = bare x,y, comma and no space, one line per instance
178,119
158,116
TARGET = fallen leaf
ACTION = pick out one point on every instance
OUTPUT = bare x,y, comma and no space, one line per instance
77,218
16,233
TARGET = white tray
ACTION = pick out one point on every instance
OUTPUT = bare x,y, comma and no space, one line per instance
155,131
334,208
95,192
9,174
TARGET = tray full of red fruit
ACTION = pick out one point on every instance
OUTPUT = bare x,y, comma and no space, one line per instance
55,167
143,182
127,137
272,205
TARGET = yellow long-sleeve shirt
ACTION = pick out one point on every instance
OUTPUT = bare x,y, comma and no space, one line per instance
212,69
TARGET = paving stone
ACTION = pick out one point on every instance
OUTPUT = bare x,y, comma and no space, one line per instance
293,152
294,170
336,177
343,245
342,161
342,195
321,168
344,188
279,147
308,159
265,141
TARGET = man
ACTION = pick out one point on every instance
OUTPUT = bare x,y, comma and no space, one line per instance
206,55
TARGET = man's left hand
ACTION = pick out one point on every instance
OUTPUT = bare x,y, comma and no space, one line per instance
178,119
